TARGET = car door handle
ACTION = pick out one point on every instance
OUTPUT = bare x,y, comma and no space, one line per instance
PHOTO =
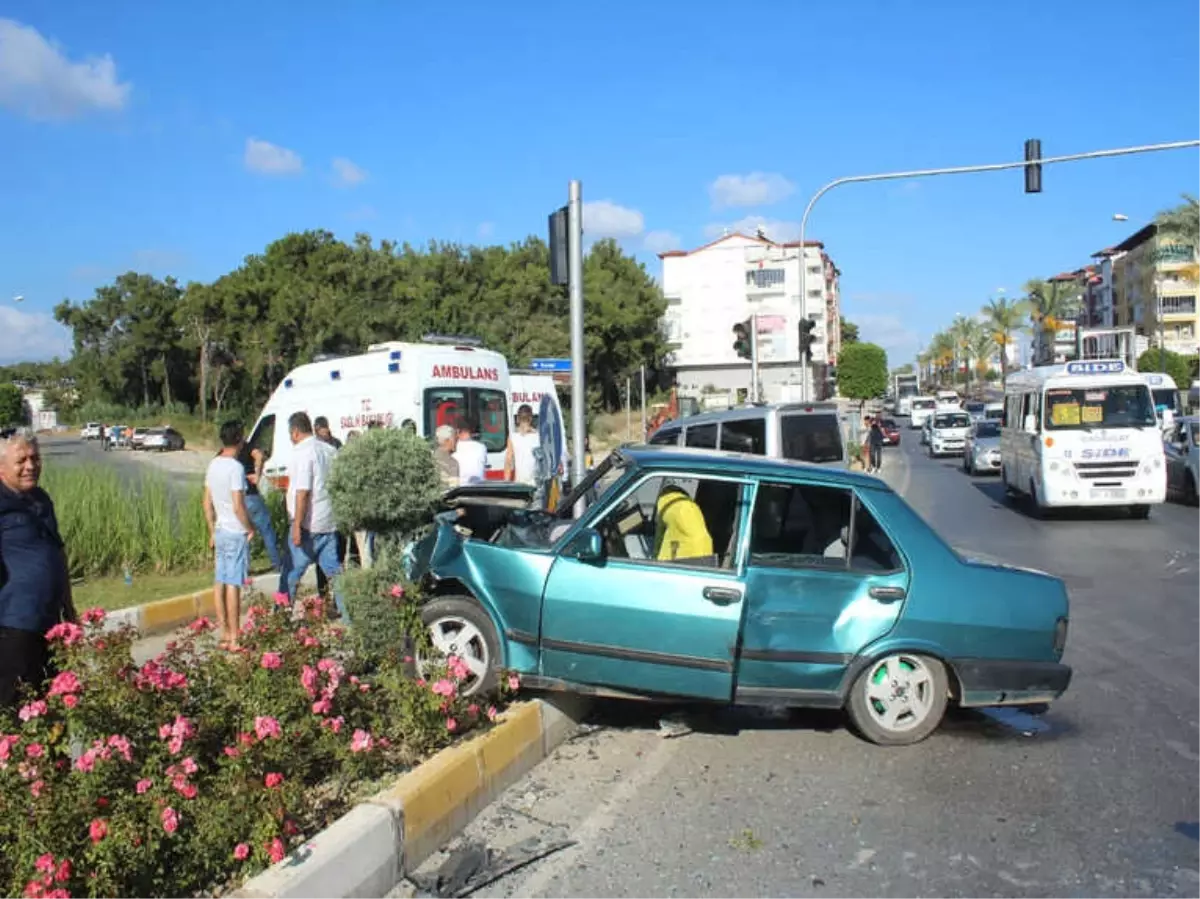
722,595
887,594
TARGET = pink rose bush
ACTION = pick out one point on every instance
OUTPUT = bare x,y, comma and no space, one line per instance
195,769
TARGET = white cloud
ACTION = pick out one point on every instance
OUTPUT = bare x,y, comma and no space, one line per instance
891,332
776,229
267,159
755,189
661,241
346,173
486,230
604,218
38,80
31,337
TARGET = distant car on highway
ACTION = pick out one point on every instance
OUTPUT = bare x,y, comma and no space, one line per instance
162,440
1182,449
891,432
922,408
683,577
137,436
994,412
981,455
948,433
93,430
975,409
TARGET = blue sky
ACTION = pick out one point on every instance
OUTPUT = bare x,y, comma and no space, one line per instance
177,138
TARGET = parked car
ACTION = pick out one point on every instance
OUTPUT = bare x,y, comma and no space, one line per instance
93,430
162,440
981,455
891,432
704,575
138,437
1182,450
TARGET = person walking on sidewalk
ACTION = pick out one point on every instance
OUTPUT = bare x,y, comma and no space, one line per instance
35,584
875,446
322,432
253,460
310,509
229,531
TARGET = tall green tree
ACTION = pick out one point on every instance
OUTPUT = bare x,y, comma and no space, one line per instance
849,331
12,405
862,371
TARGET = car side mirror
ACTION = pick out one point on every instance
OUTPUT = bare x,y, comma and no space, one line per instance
588,546
1031,423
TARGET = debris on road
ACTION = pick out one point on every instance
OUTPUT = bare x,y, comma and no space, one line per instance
673,725
472,866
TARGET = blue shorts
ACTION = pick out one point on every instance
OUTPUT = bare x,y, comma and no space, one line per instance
232,558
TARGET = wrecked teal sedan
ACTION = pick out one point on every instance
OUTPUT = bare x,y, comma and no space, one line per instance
703,575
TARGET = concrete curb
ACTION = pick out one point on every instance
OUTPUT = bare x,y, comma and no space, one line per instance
369,850
165,615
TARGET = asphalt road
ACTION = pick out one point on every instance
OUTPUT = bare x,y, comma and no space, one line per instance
1098,797
68,449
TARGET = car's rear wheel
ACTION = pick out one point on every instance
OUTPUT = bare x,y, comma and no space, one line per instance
459,626
899,699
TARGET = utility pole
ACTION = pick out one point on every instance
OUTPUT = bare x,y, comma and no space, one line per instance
629,409
643,397
578,386
754,358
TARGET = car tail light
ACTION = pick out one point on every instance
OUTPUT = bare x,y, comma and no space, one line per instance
1060,635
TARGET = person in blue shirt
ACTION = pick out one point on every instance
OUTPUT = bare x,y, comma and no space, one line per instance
35,584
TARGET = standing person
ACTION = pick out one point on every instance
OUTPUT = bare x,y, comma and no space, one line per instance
470,454
443,456
875,445
229,531
35,591
252,461
321,432
310,510
520,464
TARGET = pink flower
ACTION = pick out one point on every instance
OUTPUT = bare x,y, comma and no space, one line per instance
473,710
66,682
121,745
34,751
98,829
309,679
271,660
451,725
70,700
200,625
361,742
266,726
232,751
444,687
186,790
397,591
189,765
176,732
334,724
275,850
459,670
281,599
32,710
273,779
322,707
514,682
246,739
7,742
408,660
67,631
164,731
87,761
63,874
36,788
45,863
310,642
491,713
170,820
143,785
94,615
241,852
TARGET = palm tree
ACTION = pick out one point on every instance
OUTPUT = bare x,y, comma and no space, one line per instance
983,344
1050,303
966,333
941,351
1182,225
1004,316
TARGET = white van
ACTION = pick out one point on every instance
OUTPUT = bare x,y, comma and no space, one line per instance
948,398
1082,434
922,408
803,432
1168,404
392,385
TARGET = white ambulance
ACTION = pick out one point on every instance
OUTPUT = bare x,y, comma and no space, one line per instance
527,389
392,385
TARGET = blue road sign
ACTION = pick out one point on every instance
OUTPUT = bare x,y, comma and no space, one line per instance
558,365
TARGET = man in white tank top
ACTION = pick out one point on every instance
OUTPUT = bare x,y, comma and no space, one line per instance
520,464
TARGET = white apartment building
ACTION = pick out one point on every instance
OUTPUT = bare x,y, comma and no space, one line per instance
714,287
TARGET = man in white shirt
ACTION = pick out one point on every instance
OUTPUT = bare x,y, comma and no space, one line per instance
310,509
520,465
229,531
470,454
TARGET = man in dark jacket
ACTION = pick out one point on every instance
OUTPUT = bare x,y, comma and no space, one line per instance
35,586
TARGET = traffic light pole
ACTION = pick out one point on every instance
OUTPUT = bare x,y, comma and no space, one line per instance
578,387
957,170
754,358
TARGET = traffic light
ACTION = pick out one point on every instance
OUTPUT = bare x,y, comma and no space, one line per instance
806,336
741,339
1033,166
559,273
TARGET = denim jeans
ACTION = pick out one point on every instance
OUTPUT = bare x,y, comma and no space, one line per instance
321,549
260,517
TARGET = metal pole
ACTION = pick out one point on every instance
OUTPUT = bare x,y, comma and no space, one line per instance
803,315
578,386
1162,337
629,409
643,396
753,394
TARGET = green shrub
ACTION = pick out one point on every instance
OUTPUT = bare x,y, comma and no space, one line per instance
109,523
1174,364
384,481
385,609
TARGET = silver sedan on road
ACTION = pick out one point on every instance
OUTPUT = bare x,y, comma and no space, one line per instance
982,452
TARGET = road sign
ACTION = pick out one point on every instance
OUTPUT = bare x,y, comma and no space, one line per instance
559,365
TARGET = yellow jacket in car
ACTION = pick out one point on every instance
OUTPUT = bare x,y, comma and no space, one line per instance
680,532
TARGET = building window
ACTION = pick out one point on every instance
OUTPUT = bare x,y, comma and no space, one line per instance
815,292
764,277
814,269
1179,305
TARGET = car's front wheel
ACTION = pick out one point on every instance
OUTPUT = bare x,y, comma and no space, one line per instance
459,626
899,699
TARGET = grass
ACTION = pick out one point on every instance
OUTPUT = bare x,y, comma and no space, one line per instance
113,593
